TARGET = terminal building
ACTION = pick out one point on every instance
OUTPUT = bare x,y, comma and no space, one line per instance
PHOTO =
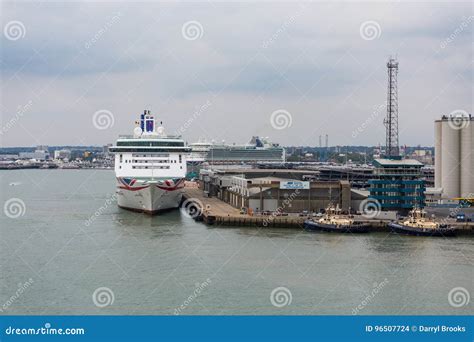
397,184
272,190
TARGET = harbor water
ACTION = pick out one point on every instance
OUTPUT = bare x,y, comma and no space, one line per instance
66,248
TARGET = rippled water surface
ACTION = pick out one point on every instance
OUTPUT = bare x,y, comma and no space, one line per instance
71,242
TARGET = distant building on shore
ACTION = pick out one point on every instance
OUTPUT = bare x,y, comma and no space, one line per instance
62,154
41,153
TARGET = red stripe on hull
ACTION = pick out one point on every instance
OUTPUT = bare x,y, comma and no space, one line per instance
178,185
134,189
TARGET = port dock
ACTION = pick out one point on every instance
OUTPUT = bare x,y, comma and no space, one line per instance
215,211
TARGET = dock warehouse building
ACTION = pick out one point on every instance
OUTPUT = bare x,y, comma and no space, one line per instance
268,190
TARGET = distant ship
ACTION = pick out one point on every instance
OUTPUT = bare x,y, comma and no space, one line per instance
150,167
333,221
418,224
199,151
257,150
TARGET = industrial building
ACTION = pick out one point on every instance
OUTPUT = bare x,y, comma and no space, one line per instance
454,159
398,184
357,176
269,190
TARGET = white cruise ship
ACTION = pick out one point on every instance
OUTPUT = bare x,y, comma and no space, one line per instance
199,151
256,150
150,168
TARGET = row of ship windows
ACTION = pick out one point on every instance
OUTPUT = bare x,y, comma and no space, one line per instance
150,161
145,161
135,155
151,167
151,143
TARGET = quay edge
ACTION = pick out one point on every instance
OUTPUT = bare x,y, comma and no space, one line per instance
214,211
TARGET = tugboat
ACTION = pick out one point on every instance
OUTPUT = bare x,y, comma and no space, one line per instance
418,224
333,221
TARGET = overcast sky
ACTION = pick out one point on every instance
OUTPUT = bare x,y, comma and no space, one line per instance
81,73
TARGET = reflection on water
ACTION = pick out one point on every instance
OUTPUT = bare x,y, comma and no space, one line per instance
152,264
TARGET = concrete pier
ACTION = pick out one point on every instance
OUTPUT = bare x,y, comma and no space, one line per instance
215,211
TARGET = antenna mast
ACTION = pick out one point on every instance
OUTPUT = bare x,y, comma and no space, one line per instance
391,120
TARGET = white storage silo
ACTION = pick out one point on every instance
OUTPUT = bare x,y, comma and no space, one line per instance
450,160
467,159
438,153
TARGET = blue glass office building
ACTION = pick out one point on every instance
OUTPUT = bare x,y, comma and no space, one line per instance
397,184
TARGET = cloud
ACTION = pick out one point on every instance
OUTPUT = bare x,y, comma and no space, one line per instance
251,60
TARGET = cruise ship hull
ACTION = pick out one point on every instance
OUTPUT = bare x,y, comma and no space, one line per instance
151,197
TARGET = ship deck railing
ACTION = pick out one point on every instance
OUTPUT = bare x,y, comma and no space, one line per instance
167,136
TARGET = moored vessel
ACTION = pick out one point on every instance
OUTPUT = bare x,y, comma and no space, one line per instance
333,221
257,150
150,167
418,224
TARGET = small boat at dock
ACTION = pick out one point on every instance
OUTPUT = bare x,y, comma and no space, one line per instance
418,224
333,221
